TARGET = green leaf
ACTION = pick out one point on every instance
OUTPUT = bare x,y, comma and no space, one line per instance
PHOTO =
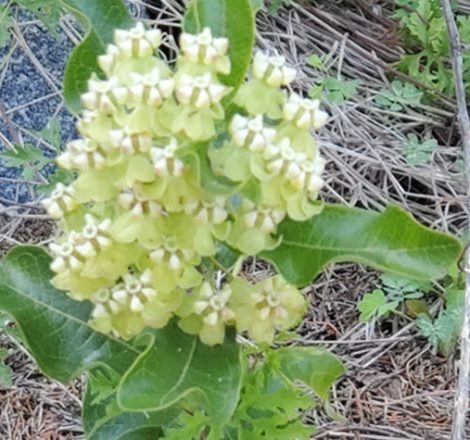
417,152
51,133
373,304
176,365
47,11
6,21
28,157
391,241
339,90
6,374
315,61
315,367
271,407
256,5
99,19
233,19
416,307
103,420
54,326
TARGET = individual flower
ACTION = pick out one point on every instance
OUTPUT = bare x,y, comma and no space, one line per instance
135,42
135,292
138,219
61,201
82,154
283,161
202,92
165,160
272,70
94,237
251,133
104,96
206,313
269,306
205,49
127,142
262,94
206,222
254,227
150,88
105,311
66,256
304,113
174,266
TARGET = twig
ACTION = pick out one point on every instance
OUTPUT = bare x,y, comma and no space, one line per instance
461,400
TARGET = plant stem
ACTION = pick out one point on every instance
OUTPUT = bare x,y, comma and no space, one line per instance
461,399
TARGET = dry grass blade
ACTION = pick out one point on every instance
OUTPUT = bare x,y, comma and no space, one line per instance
461,401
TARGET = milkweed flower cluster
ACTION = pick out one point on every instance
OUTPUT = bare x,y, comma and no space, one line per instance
164,176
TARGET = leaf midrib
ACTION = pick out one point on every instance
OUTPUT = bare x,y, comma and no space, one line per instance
70,317
355,249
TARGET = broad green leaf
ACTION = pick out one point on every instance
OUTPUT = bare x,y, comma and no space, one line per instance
176,365
271,406
317,368
99,19
391,241
375,304
103,420
54,326
233,19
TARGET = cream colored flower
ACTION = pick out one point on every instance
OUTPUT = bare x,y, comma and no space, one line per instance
203,48
165,161
104,96
135,291
305,113
61,201
200,91
273,70
251,133
150,88
137,42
